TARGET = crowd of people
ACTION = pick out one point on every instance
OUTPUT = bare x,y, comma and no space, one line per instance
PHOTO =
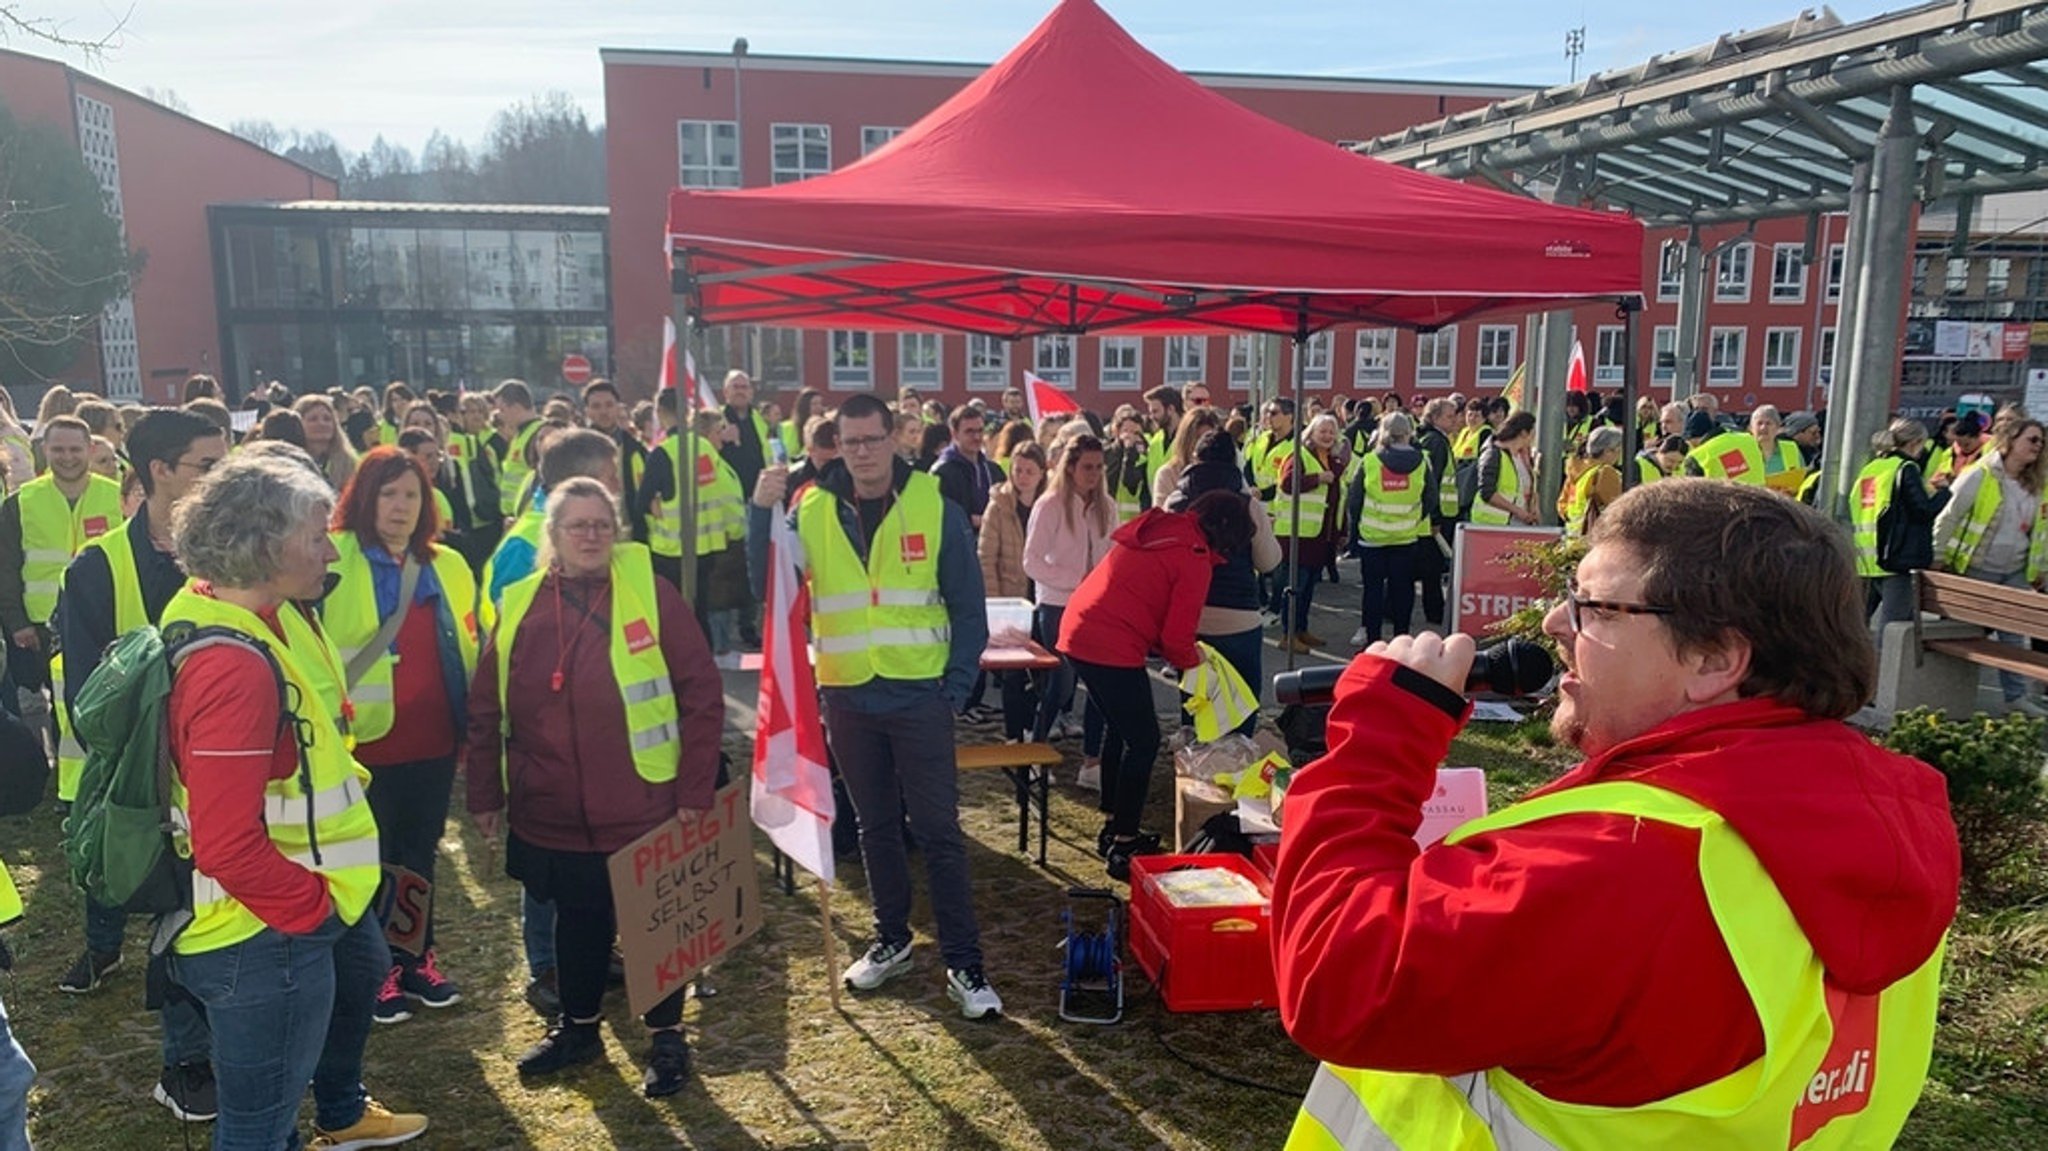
485,584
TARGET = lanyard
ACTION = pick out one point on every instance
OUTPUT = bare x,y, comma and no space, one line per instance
874,580
562,641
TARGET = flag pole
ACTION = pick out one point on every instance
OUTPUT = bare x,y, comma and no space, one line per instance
831,943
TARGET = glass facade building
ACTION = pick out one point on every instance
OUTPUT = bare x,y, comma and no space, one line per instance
320,293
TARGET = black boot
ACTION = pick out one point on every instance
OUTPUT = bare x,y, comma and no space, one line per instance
668,1065
567,1044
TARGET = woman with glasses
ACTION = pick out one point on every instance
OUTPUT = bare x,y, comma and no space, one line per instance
1994,528
595,716
402,613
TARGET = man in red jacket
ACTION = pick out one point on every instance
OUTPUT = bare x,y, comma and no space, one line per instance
1723,928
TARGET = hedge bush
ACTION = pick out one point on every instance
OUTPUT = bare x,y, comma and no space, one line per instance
1993,768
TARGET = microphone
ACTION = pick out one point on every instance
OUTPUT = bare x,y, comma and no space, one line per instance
1515,667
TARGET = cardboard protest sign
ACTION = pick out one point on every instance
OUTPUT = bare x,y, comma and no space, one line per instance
402,905
1484,590
685,894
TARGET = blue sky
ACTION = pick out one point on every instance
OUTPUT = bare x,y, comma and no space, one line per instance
402,68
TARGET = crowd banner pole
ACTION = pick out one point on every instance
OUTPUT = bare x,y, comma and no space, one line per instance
1631,429
686,463
831,943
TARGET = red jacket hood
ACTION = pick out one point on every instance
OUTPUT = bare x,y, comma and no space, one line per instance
1156,528
1858,839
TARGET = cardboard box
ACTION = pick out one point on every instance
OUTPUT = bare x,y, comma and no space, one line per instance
1194,801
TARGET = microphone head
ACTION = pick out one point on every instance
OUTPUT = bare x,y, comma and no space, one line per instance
1517,667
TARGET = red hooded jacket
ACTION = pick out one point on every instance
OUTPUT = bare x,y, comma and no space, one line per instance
1578,952
1145,596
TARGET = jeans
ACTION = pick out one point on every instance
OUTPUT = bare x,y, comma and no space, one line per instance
903,762
410,801
185,1038
2011,684
1891,596
17,1075
1301,584
759,524
537,931
1430,566
1245,651
1132,743
287,1009
1388,576
1056,693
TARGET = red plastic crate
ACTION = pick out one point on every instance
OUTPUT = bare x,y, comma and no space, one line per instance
1202,958
1266,857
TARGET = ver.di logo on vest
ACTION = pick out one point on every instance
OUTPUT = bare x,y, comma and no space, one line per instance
1733,463
95,526
639,637
913,548
1841,1084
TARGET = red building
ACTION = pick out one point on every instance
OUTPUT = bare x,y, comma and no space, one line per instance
159,170
709,119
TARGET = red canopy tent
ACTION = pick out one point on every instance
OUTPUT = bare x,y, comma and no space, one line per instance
1083,184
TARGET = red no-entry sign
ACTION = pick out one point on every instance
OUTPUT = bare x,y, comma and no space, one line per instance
576,369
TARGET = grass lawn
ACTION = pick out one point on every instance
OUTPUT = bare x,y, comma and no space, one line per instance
778,1067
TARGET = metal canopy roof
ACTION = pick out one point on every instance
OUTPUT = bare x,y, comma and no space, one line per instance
1770,123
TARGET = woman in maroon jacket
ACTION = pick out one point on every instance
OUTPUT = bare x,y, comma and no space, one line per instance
1145,596
557,732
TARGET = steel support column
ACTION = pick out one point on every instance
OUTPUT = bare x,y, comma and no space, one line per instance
1549,363
1692,318
1854,242
1894,179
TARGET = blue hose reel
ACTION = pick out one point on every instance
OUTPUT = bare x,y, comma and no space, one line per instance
1092,979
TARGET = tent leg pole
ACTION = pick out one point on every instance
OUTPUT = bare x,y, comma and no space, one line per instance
1631,435
686,463
1291,593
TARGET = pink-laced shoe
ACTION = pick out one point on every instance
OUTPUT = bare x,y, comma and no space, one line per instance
392,1004
424,982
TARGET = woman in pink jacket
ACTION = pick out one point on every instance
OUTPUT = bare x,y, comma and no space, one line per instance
1068,535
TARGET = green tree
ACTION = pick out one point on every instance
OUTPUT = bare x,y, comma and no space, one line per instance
62,257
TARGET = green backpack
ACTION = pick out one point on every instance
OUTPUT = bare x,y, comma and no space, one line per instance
118,837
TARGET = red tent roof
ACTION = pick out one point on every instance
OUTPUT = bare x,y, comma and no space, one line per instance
1084,184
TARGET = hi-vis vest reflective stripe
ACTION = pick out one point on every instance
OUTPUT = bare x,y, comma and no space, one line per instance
515,472
1867,504
883,617
1784,468
1581,500
721,506
319,817
1391,513
53,530
1509,489
1731,456
350,615
1314,500
10,899
128,615
528,528
1838,1070
638,667
1983,511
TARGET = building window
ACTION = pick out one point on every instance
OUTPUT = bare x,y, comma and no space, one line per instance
1956,273
917,360
1496,356
873,138
1788,274
1664,355
1824,371
2037,277
1781,357
853,370
1052,357
1186,357
1731,273
1670,269
1997,277
1120,359
1724,356
988,363
1436,357
1609,366
708,153
1837,261
782,359
1372,360
1922,265
801,151
1243,363
1315,367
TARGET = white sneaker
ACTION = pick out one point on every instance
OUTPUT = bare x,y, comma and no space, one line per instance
1360,637
967,987
884,961
1090,775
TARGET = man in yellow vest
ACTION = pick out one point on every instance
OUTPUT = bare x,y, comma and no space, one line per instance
899,619
470,452
1723,929
1165,406
43,526
121,581
1722,455
517,422
17,1074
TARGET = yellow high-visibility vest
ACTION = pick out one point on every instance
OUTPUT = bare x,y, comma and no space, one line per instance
1391,513
54,530
1784,467
1732,456
1838,1071
1872,497
515,471
1313,500
883,616
1509,488
350,616
128,615
721,505
319,817
1983,511
639,668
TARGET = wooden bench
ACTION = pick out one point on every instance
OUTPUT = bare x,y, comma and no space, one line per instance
1953,621
1017,760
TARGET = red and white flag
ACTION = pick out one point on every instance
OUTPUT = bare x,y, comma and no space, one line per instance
670,347
792,794
1575,376
1045,399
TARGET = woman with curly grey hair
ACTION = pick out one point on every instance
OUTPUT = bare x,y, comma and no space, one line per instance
271,805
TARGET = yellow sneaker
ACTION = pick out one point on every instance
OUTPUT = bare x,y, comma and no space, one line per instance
379,1127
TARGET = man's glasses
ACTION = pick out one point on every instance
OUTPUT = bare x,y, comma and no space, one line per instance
1574,603
202,465
858,445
